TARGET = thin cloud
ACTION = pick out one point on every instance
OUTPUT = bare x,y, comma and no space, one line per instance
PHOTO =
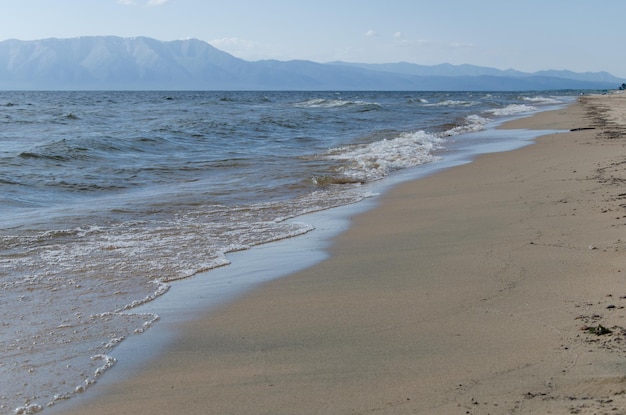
153,3
126,2
371,33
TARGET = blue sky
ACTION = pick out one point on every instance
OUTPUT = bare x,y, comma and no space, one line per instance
527,35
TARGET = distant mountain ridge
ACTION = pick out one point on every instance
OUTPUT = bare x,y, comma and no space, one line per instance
142,63
446,69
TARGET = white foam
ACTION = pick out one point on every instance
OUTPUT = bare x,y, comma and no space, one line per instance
162,288
332,103
473,123
543,100
376,160
108,362
28,409
512,110
453,103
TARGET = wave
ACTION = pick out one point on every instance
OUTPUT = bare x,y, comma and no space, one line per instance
453,103
542,100
363,163
472,124
512,110
65,150
374,161
32,155
337,103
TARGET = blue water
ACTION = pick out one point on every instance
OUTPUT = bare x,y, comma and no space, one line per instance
108,197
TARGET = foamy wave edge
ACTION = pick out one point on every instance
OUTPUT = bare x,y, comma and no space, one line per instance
512,109
542,100
333,103
108,362
374,161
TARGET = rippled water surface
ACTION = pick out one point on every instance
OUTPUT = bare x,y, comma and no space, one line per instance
106,197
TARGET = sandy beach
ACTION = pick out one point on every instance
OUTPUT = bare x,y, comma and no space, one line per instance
494,287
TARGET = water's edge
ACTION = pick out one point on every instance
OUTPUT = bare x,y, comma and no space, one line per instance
193,297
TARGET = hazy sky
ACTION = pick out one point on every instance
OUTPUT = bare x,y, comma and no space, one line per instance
528,35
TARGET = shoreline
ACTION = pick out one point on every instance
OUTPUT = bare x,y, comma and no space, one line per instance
250,268
448,295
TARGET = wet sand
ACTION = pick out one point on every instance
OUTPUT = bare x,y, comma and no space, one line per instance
482,289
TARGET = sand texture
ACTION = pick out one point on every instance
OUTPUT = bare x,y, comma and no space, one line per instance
483,289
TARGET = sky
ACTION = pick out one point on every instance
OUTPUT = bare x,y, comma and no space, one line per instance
526,35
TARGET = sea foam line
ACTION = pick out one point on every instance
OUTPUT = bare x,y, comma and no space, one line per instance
374,161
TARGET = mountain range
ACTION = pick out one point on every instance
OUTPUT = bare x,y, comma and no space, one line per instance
142,63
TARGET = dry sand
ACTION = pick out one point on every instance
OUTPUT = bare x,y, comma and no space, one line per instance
462,293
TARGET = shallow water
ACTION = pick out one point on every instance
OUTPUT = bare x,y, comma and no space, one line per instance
109,196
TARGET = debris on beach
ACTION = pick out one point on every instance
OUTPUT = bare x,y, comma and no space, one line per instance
598,330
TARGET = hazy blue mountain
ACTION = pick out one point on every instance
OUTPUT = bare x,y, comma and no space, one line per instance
115,63
585,76
444,69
